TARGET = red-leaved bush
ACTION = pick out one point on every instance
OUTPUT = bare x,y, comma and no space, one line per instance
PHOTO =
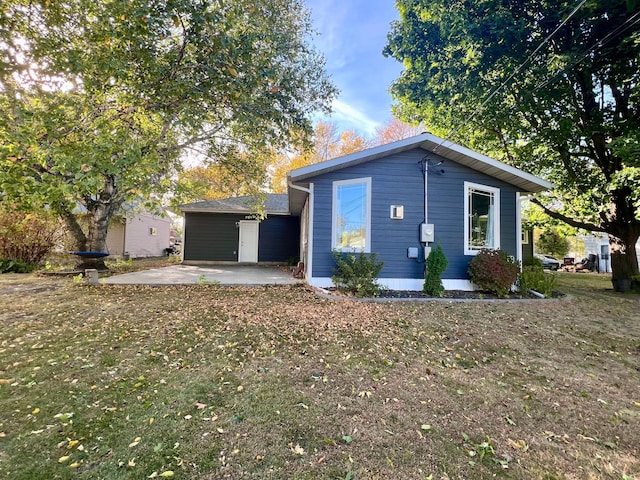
494,271
27,237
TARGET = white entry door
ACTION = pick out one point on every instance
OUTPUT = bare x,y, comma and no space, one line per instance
248,243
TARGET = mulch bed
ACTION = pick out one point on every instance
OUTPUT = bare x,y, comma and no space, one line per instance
452,294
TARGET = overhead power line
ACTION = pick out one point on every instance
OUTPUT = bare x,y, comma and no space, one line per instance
635,18
515,72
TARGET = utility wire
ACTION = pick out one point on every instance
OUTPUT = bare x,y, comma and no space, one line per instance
599,44
515,72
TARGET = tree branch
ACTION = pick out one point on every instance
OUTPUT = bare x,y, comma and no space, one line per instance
568,220
192,141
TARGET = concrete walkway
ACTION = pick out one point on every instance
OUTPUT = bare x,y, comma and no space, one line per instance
219,274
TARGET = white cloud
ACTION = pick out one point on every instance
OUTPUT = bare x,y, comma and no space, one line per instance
330,18
350,118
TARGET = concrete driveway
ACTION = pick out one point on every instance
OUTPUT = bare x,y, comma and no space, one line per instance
219,274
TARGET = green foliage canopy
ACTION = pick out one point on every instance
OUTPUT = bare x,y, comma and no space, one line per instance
98,100
568,107
553,243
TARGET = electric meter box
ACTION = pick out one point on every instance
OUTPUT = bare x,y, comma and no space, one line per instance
427,233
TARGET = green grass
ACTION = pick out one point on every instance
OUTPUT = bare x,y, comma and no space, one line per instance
212,382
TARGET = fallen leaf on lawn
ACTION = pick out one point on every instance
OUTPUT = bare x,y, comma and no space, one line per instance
64,458
188,417
200,406
72,443
153,475
131,463
135,442
298,450
167,474
35,411
151,420
74,465
2,434
220,430
518,445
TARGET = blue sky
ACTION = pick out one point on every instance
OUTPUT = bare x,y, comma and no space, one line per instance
351,35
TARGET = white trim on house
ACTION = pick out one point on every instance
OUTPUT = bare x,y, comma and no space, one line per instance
414,284
309,264
184,237
496,212
334,213
429,142
519,229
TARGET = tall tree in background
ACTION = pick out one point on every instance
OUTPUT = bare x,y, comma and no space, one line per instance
99,99
231,178
327,143
395,130
568,109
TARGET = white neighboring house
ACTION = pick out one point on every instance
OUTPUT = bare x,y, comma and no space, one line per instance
139,234
598,243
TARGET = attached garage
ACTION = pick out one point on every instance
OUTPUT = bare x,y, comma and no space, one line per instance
226,231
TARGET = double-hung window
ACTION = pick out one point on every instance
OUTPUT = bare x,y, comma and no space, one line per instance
351,222
482,218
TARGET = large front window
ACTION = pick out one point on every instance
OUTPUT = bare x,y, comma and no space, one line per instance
482,218
351,229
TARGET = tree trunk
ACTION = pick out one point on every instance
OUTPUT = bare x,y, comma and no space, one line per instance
624,260
90,233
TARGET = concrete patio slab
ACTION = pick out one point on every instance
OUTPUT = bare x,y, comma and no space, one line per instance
219,274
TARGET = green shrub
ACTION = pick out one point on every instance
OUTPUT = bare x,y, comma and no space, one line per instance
532,262
494,271
535,278
436,265
357,274
16,266
120,265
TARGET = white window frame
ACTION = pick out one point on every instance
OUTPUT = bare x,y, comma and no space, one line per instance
468,186
334,214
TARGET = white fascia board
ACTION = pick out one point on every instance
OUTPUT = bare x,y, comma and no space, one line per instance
430,143
490,162
358,157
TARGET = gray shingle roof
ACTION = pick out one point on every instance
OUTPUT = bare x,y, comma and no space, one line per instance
275,203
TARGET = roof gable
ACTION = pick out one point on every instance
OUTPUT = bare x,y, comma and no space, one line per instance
430,143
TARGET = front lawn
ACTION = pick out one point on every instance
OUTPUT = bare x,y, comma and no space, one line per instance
210,382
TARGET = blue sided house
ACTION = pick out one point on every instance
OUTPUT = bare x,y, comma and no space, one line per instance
400,199
396,200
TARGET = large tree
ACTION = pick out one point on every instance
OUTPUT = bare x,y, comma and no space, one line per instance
99,99
327,143
547,86
395,130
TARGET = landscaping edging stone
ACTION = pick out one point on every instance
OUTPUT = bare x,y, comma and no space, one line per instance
321,292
